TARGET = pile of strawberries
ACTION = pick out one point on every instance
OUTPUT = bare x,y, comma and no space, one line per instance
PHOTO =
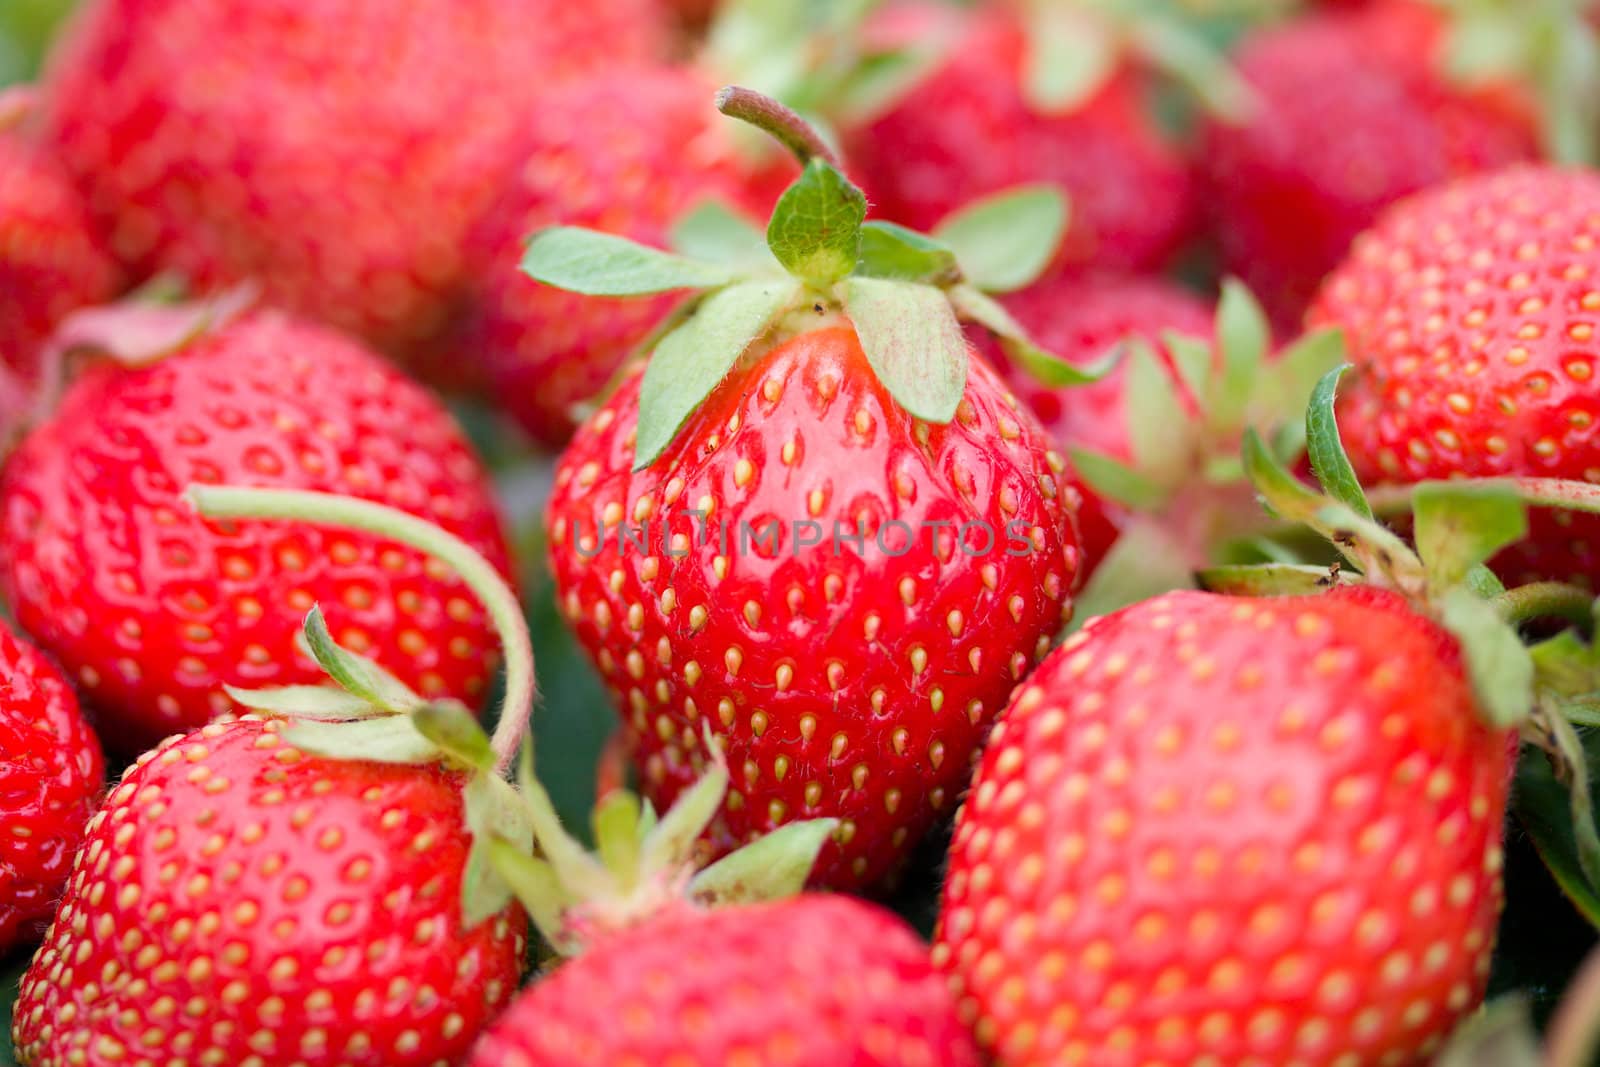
1124,474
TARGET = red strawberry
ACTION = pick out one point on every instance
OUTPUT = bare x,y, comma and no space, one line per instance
625,152
50,780
1354,113
1232,830
816,981
150,608
338,150
1471,313
241,902
50,260
851,683
968,129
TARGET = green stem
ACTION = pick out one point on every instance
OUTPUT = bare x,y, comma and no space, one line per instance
479,575
1546,600
1389,500
783,123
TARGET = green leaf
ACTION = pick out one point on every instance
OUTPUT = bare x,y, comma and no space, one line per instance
1498,665
356,674
1192,357
1160,431
304,702
1190,60
1283,390
714,233
1244,337
1005,241
1570,761
670,845
1113,479
1567,667
1499,1036
1544,808
1461,525
691,360
455,730
771,867
815,231
1146,561
892,251
1328,459
492,811
384,739
1071,55
534,883
1047,368
1266,579
603,264
913,343
878,80
616,834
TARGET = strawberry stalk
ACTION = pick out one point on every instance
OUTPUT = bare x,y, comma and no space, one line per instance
230,502
1546,600
783,123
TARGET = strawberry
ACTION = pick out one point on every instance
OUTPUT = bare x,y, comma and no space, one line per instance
50,781
1287,198
51,262
969,128
1283,847
1470,312
150,608
628,152
850,679
338,150
725,965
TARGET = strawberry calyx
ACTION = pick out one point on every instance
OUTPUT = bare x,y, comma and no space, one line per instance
644,866
369,714
17,105
904,292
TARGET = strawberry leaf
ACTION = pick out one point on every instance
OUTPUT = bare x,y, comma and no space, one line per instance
1329,462
1244,337
1459,526
1498,665
690,361
305,702
892,251
913,343
1545,809
603,264
1501,1035
454,729
355,674
492,811
1192,358
713,233
769,868
1045,367
1146,561
1266,579
616,834
815,230
1005,241
1071,55
1286,383
1190,60
383,739
1160,431
1115,480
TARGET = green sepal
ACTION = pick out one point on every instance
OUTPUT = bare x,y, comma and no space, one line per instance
815,230
1267,579
1567,667
878,80
1498,664
580,875
1569,760
1286,383
456,732
769,868
1458,526
616,834
355,674
714,233
1243,337
1144,562
1191,357
1161,434
1113,479
1190,60
305,702
1004,241
603,264
1544,807
671,843
690,361
913,343
1329,461
534,883
1501,1035
492,811
1071,56
381,739
889,250
1043,366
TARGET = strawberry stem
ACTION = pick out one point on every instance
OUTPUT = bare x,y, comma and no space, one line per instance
1546,600
1389,500
479,575
783,123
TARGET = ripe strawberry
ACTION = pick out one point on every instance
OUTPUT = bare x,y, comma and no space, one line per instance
1354,113
1232,830
337,150
968,129
625,152
150,608
50,781
239,901
51,262
1470,312
815,981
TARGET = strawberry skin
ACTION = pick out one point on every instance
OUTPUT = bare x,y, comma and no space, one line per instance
1224,830
50,781
152,609
51,262
844,682
337,151
629,154
240,902
814,981
1354,115
966,130
1471,312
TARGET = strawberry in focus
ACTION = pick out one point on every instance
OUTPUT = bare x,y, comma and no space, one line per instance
152,609
50,783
